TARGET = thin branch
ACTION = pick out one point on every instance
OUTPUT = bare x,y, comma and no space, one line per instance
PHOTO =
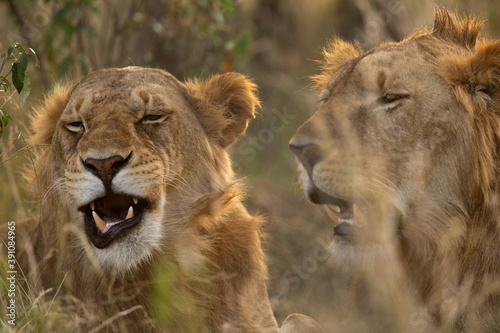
5,77
3,64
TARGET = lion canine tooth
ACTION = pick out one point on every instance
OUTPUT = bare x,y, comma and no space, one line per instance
136,201
130,213
98,221
92,205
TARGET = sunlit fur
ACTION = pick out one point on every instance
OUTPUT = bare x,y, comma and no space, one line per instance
411,131
196,240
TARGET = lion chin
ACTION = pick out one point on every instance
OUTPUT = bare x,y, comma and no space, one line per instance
403,155
140,214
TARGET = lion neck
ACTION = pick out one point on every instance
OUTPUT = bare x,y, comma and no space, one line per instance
450,250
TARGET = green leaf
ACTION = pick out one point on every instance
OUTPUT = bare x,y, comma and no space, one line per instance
9,52
69,30
244,42
19,48
91,5
60,16
4,120
35,57
23,60
4,117
5,83
26,90
227,6
17,76
18,71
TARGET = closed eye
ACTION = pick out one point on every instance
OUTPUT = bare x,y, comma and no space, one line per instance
390,97
75,126
154,118
324,95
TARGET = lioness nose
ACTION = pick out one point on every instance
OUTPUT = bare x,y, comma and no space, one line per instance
308,154
106,168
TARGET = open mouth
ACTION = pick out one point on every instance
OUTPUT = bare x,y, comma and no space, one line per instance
111,216
344,214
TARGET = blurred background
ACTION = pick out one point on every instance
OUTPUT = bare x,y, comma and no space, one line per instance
276,42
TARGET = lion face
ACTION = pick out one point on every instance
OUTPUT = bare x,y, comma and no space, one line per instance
119,151
374,133
138,154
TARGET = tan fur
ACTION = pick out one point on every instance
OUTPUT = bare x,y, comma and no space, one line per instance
194,262
409,132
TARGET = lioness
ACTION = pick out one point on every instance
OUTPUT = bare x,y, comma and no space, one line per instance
404,149
141,217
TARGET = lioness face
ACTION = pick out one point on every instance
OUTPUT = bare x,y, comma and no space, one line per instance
125,154
378,138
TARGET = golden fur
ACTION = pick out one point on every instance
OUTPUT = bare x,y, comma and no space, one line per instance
407,134
193,262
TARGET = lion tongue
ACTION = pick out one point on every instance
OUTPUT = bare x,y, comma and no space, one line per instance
105,224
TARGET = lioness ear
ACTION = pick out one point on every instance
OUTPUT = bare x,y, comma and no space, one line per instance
475,74
45,117
224,104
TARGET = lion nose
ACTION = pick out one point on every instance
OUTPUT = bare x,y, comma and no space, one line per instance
106,168
308,154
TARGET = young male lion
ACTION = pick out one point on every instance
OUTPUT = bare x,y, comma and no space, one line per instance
141,217
404,154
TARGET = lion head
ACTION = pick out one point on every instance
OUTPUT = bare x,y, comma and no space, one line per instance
134,155
405,140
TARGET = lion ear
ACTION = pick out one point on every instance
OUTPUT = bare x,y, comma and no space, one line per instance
476,74
45,117
451,28
224,104
335,54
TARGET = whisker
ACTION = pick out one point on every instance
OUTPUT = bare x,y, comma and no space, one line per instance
57,184
178,176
